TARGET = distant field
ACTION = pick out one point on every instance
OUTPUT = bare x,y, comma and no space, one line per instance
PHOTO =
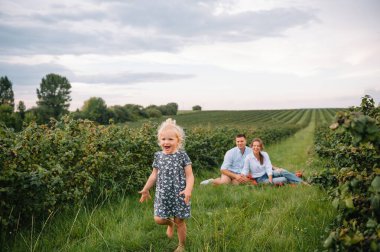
247,118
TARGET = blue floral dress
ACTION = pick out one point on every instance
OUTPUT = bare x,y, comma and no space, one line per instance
171,180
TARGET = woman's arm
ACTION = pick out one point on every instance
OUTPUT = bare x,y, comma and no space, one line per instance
149,183
268,167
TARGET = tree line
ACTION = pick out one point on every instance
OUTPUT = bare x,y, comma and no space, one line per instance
54,102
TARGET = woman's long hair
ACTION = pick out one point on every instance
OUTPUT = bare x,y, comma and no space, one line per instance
261,157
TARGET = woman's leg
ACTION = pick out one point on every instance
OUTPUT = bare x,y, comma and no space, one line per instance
265,180
168,222
291,177
279,180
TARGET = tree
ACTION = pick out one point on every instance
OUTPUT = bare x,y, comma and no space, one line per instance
197,108
6,115
153,112
137,111
21,109
6,92
54,96
120,114
169,109
95,109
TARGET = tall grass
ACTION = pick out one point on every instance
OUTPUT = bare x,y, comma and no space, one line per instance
224,218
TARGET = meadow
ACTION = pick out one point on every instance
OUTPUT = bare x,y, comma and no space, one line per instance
224,218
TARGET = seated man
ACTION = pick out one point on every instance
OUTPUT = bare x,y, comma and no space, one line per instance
233,164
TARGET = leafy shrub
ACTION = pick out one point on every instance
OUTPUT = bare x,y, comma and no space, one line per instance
354,183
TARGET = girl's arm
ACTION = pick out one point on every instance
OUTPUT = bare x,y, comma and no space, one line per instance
149,183
189,183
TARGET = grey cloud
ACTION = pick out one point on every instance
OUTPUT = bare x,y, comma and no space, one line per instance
155,26
31,75
198,22
374,93
129,78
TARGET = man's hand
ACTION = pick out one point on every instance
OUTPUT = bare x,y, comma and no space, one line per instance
241,179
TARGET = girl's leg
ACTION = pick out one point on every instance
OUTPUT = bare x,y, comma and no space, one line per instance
168,222
181,232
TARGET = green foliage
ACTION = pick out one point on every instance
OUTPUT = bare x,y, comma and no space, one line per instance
44,168
6,92
48,167
53,96
120,114
21,109
169,109
95,109
6,115
354,185
197,108
153,112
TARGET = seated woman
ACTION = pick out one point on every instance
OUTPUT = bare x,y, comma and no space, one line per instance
259,165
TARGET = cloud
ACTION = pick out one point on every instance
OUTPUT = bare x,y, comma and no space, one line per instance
31,75
113,27
130,78
374,93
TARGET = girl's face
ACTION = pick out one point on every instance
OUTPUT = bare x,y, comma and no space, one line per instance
169,141
256,147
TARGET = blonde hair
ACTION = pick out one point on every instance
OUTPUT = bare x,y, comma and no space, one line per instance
171,124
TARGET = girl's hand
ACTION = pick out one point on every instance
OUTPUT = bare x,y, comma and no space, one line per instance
144,196
187,196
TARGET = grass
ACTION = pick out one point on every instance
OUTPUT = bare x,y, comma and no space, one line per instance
224,218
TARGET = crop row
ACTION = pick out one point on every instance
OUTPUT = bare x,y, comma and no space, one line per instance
250,118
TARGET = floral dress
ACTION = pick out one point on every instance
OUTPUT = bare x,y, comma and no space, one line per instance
171,180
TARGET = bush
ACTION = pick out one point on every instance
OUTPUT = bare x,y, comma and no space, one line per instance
354,184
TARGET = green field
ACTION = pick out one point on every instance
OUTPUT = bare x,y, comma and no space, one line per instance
248,118
225,218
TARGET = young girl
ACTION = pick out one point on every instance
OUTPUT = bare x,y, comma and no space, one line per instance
173,175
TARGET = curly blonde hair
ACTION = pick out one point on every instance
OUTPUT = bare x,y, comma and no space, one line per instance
171,124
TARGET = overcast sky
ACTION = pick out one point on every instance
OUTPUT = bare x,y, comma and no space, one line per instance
245,54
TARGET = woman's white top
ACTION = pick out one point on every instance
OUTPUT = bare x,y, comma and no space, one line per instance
252,165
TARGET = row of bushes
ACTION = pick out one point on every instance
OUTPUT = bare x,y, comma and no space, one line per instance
352,177
43,168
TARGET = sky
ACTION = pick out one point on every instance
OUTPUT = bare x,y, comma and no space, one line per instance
221,55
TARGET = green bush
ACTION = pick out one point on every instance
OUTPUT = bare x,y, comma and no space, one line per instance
353,179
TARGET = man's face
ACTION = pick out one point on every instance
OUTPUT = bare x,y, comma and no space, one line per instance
241,142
